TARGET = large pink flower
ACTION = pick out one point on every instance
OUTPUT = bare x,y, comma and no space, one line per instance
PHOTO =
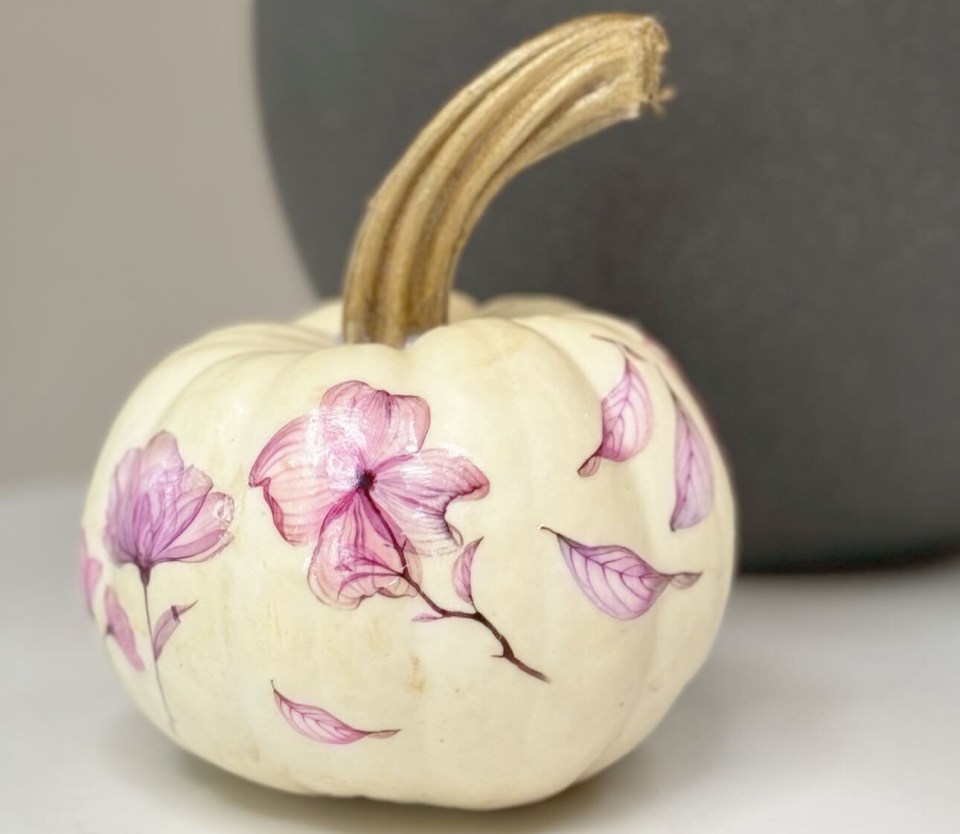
160,510
352,478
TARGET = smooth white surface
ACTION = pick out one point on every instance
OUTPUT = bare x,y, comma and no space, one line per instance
829,705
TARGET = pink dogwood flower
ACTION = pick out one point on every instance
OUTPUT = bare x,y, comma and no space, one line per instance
160,510
352,478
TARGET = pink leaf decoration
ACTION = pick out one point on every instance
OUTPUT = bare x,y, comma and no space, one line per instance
90,571
167,624
693,474
463,572
320,725
627,421
119,628
616,579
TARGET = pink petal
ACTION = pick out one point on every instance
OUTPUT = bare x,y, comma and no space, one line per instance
156,468
167,624
177,501
320,725
627,421
90,571
415,492
463,572
119,628
207,533
693,474
356,558
304,469
617,580
383,425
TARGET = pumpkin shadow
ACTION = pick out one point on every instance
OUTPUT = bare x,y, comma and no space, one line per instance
619,793
574,808
152,773
728,718
575,805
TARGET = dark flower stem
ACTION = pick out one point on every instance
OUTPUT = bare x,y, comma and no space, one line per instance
507,652
145,581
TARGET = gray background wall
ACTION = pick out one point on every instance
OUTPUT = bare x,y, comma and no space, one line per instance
137,210
789,230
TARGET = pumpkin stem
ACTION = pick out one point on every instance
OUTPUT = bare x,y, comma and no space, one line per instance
550,92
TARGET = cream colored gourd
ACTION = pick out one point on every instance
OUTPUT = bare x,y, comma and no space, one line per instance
223,613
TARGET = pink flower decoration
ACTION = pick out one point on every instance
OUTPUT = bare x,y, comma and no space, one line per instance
90,571
352,478
160,510
119,628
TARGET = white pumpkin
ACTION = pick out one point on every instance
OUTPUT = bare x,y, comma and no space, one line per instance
488,559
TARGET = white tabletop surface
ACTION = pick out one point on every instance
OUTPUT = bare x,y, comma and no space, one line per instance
830,704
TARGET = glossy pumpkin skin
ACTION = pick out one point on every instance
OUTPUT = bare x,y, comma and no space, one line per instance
515,387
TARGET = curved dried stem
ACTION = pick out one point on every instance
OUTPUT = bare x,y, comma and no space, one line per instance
563,86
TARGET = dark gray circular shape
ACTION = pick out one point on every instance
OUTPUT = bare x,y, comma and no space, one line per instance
790,230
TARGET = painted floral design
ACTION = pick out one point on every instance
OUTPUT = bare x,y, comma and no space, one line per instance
615,579
628,424
353,480
693,474
463,572
168,622
119,628
463,585
320,725
91,570
160,510
627,417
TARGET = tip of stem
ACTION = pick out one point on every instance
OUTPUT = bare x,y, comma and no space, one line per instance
580,77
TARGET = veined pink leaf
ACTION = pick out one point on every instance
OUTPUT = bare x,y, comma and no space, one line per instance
168,623
693,474
320,725
616,579
119,628
90,571
463,572
627,417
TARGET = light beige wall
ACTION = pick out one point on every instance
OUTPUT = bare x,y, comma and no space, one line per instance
136,209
